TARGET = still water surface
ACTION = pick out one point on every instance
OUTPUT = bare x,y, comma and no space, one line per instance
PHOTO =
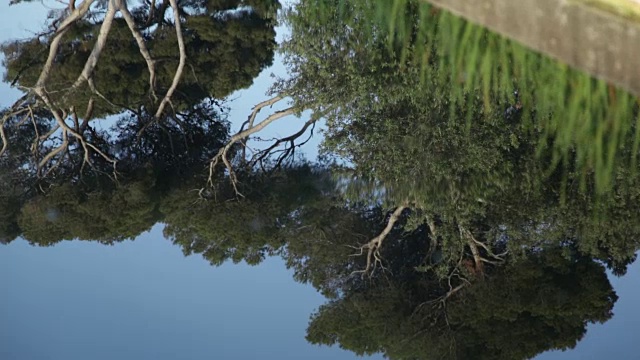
473,199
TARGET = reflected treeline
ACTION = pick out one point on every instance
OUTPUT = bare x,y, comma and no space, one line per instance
47,210
539,299
539,303
474,193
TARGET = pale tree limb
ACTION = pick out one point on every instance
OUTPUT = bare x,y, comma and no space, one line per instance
87,114
75,15
39,88
101,41
53,153
48,134
142,46
3,137
38,137
181,63
498,257
256,109
15,110
252,117
373,246
68,130
152,8
477,259
454,290
24,118
240,136
442,300
95,91
41,92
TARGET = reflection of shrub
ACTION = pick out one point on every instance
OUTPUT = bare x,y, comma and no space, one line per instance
66,213
537,304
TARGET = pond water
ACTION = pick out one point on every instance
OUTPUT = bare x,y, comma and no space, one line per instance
418,187
144,300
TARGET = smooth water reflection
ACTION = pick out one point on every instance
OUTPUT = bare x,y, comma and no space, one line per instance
144,300
502,196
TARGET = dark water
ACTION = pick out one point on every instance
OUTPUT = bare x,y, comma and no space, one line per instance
417,187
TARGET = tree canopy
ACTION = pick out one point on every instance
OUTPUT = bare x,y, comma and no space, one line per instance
134,61
227,45
521,310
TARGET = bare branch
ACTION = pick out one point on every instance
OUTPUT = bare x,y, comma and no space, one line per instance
68,130
256,109
48,134
54,152
3,137
261,155
128,18
152,8
373,246
5,117
455,290
254,112
75,15
498,257
477,256
91,62
87,114
240,136
181,63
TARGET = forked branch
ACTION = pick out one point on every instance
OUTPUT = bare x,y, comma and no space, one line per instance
374,259
241,136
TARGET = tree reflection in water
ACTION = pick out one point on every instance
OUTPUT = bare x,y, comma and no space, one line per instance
445,219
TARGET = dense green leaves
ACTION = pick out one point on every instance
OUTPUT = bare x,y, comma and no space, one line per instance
416,132
227,46
521,310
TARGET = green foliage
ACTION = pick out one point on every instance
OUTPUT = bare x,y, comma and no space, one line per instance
68,213
416,109
16,177
367,53
249,228
226,48
152,163
414,100
544,302
179,146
